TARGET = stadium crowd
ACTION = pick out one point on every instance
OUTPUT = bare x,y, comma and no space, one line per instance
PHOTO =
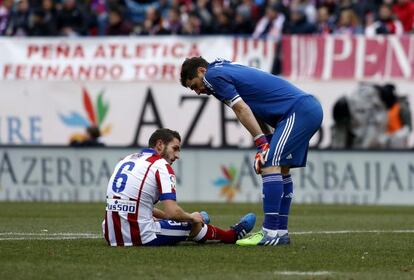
259,18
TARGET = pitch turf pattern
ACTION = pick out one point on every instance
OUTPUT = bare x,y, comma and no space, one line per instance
61,241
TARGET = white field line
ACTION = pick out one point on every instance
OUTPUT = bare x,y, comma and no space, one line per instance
351,232
80,235
304,273
47,236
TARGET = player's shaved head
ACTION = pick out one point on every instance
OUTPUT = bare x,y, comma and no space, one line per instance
189,68
165,135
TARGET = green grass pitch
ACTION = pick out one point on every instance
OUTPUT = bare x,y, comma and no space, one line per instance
61,241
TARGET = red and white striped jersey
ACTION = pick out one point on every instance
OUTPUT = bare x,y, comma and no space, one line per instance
138,182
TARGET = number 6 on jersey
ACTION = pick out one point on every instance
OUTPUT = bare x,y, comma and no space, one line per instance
120,178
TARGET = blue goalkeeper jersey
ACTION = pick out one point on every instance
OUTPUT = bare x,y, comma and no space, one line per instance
268,96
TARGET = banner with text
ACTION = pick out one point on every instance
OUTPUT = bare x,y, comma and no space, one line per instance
122,58
66,174
348,57
51,113
159,58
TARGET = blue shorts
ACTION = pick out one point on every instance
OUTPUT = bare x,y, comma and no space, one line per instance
171,233
290,140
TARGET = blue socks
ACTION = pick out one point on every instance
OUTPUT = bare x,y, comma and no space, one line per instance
285,203
272,196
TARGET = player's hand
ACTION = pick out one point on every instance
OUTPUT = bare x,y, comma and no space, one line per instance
206,217
263,148
196,217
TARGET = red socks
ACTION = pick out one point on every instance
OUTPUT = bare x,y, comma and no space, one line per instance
215,233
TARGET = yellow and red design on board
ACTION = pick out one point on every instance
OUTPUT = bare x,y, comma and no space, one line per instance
228,183
95,115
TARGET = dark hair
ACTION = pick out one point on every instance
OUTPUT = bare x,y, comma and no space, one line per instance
189,68
388,94
165,135
94,132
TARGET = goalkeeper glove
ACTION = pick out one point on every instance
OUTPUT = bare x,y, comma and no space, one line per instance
262,152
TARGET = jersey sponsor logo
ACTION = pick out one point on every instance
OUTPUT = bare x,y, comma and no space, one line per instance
121,205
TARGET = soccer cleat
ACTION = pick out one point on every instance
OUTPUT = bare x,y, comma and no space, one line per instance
245,225
206,217
262,239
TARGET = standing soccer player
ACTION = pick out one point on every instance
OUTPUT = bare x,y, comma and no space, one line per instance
141,180
260,100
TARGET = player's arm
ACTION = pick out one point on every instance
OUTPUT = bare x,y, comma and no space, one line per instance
165,179
247,118
159,214
174,212
249,121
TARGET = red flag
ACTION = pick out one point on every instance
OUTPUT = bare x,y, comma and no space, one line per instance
88,106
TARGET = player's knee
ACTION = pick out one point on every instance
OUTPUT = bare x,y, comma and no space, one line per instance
285,170
271,170
195,229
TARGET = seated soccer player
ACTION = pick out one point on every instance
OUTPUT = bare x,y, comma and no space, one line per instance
142,179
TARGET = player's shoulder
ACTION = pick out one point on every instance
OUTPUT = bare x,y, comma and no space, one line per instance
160,162
217,68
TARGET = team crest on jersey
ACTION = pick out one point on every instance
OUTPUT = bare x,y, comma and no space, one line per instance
173,181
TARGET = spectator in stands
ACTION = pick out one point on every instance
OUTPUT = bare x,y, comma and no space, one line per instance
19,19
387,23
153,23
223,24
90,139
172,23
50,16
404,10
96,17
298,23
262,19
5,13
98,9
246,7
137,10
348,23
368,117
271,24
243,21
331,5
399,117
325,23
192,26
203,10
70,19
164,7
342,136
39,26
308,7
117,25
360,8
